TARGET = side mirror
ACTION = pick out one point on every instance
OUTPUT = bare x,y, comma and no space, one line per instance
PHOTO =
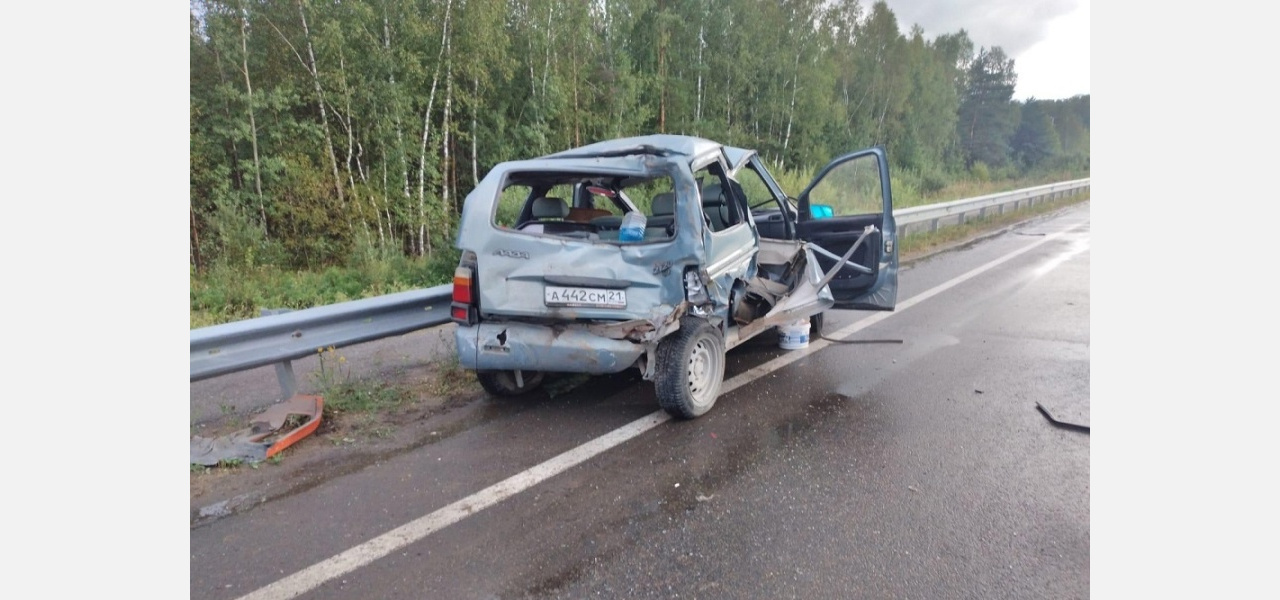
821,211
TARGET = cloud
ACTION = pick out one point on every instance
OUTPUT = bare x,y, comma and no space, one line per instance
1015,25
1047,39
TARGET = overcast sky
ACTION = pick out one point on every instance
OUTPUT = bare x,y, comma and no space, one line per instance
1048,39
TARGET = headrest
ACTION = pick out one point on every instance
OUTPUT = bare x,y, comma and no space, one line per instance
664,204
550,208
712,195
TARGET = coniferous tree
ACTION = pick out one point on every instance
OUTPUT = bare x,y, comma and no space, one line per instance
987,116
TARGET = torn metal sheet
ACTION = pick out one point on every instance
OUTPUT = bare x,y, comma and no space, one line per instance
298,416
804,298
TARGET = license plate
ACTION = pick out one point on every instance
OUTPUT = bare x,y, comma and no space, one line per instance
585,297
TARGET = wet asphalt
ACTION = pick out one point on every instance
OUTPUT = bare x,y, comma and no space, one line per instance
913,470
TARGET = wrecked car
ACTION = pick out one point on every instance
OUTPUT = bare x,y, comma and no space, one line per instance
661,253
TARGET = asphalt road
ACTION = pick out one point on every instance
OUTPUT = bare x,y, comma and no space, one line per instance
913,470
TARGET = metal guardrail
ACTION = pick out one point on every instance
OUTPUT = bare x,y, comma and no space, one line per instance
278,339
929,218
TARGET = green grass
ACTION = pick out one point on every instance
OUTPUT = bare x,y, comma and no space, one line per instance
223,294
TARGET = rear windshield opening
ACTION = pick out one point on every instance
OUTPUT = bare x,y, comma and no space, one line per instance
585,206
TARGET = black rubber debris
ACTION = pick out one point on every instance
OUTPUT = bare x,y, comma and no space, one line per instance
1062,424
861,341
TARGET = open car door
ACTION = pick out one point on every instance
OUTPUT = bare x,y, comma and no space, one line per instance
846,214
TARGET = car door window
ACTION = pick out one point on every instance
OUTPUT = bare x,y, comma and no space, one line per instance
848,189
846,214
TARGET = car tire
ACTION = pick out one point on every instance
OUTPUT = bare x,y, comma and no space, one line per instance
690,369
815,325
503,383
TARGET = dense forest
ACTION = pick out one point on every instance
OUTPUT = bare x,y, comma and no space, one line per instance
323,128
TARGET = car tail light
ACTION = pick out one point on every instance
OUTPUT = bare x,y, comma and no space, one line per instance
462,285
463,310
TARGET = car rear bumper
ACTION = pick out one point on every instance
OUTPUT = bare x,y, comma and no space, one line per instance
531,347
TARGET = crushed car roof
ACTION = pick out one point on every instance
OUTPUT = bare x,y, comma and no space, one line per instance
657,144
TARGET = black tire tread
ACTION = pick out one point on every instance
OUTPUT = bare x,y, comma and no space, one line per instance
671,377
815,325
503,383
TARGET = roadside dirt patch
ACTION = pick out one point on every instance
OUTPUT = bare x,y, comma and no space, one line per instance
433,404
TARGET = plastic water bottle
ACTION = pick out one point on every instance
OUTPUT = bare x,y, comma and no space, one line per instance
632,227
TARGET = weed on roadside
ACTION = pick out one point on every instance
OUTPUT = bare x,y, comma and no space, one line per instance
333,370
450,379
344,394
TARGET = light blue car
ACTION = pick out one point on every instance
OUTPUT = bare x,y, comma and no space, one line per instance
660,252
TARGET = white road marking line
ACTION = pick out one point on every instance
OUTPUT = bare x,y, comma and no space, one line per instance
1078,247
358,556
363,554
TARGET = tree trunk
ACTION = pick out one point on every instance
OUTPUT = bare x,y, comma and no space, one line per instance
577,118
880,124
662,71
324,118
195,240
546,66
475,104
352,145
424,235
395,108
237,176
253,125
445,126
791,112
533,79
697,113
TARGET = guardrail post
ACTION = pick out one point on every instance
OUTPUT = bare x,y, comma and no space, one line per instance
284,370
288,385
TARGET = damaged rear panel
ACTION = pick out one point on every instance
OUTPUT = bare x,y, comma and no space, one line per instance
547,247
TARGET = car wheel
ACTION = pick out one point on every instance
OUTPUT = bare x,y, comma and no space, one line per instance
815,326
505,383
690,369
